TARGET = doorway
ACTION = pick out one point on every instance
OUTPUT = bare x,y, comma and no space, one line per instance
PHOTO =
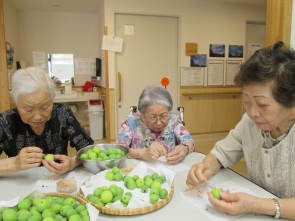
255,33
150,53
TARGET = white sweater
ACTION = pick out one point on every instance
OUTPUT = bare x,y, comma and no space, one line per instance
272,169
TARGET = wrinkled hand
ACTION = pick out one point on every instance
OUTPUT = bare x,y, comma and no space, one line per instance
232,203
59,168
178,154
154,150
29,157
199,173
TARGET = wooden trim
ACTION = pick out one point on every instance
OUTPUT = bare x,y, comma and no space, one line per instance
4,87
210,87
119,87
215,93
107,102
210,132
278,21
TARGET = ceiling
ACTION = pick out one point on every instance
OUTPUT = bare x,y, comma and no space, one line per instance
90,6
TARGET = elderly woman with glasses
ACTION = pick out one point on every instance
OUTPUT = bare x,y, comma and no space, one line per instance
155,131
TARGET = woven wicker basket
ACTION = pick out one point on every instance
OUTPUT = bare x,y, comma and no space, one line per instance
67,195
126,211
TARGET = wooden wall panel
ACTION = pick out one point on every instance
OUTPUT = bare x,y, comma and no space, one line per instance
278,21
211,109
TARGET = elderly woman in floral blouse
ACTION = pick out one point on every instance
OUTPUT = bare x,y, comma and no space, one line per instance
37,126
155,131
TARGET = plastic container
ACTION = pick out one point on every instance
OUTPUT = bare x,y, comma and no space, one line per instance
95,114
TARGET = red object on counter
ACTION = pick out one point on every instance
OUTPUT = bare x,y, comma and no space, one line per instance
87,86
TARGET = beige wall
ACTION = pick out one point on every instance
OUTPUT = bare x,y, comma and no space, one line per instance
202,21
11,30
54,32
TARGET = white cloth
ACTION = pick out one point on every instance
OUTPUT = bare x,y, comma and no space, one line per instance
273,169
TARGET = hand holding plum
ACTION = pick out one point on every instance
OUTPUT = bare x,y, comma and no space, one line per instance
233,203
216,193
29,157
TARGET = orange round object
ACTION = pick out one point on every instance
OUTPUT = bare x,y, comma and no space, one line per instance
165,82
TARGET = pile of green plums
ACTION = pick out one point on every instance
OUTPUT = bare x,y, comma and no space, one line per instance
98,154
105,195
48,208
149,183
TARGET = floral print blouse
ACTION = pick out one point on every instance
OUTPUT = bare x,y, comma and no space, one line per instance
134,133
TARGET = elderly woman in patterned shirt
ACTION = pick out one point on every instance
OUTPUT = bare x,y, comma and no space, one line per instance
37,126
264,137
155,130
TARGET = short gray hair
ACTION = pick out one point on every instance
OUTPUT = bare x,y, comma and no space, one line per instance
154,95
29,81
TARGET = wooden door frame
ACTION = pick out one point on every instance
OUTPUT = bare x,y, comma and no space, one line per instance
4,87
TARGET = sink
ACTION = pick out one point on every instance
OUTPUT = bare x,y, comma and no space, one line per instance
65,96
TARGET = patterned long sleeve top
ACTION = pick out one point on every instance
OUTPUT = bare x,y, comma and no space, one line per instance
63,127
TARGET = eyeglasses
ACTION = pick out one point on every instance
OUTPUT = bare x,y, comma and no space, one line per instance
163,118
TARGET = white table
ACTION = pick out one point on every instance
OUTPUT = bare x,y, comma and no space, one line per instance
15,184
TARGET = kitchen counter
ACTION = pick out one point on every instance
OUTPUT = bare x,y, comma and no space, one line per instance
76,96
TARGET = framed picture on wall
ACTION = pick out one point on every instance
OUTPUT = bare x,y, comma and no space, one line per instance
9,55
235,51
217,50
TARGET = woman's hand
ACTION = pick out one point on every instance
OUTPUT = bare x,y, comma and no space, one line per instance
199,173
233,203
65,164
177,154
154,150
28,157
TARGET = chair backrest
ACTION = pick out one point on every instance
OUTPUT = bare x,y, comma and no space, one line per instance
180,112
133,109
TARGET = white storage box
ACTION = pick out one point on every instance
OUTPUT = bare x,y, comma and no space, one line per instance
95,114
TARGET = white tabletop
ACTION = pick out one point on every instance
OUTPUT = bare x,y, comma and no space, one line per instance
15,184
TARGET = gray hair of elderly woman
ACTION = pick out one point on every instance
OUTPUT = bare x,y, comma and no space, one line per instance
30,81
154,95
272,64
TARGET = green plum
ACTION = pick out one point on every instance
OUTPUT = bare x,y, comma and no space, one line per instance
216,193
